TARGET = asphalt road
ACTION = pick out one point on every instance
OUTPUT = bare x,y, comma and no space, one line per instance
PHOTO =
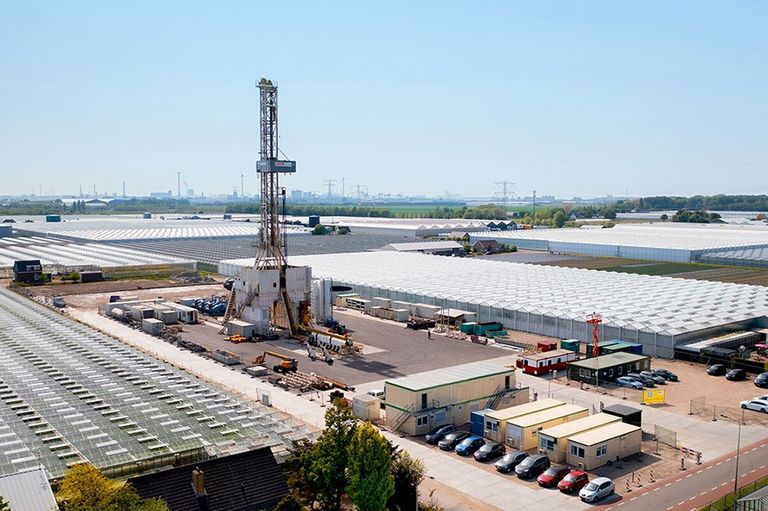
695,487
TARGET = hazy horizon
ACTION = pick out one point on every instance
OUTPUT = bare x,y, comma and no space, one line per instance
570,99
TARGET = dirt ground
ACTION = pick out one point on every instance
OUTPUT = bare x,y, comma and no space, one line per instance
83,298
108,288
700,393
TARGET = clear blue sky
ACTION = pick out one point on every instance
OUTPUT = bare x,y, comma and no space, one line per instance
568,98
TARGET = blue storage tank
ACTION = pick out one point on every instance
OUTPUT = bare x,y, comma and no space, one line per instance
477,421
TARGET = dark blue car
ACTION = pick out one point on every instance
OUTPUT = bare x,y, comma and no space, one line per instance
469,445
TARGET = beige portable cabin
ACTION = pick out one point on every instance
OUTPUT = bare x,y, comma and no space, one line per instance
416,404
523,432
554,441
495,425
597,447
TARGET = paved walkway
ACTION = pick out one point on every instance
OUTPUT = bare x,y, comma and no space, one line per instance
489,487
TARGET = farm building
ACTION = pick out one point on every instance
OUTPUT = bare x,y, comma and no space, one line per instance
554,441
523,432
496,421
415,404
29,272
596,447
657,312
606,368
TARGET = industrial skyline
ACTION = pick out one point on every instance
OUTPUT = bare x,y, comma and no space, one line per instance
578,100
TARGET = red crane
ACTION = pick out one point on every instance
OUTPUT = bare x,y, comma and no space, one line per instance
595,319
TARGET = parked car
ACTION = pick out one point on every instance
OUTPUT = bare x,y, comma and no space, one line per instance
757,405
647,382
629,383
597,489
552,476
451,440
666,373
490,451
532,466
736,375
439,433
761,380
657,379
574,481
510,460
469,445
716,370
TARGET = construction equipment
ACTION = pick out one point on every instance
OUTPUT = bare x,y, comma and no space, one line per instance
235,339
286,365
313,354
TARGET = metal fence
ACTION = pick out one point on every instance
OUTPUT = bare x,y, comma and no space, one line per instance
700,407
664,436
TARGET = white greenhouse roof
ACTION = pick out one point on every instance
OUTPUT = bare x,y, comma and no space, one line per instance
65,253
642,302
104,229
72,394
669,236
423,246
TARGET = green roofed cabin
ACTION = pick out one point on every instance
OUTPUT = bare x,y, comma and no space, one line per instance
418,403
610,367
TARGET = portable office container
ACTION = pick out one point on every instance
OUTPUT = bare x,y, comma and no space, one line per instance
240,327
366,407
595,448
477,421
139,312
496,420
627,414
166,315
571,344
186,314
523,432
547,361
554,441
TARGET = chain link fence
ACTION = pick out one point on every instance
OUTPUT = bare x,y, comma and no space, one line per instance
664,436
701,408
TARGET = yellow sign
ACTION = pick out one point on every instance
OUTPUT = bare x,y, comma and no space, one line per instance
653,397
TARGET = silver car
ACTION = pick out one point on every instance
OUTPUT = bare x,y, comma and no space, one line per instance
623,381
596,489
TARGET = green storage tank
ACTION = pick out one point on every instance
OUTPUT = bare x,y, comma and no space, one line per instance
53,218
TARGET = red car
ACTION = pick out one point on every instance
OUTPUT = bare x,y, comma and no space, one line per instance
552,476
573,482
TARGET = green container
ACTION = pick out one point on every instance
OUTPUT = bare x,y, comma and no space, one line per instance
571,345
468,328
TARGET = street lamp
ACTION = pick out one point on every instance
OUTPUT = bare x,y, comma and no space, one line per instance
736,478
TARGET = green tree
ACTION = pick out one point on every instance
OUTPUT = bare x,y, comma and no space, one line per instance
333,454
664,217
559,218
408,473
370,470
4,506
318,230
84,488
300,466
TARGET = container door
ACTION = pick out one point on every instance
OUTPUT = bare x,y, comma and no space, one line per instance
514,436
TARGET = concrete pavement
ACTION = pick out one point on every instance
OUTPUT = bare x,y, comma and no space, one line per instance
489,487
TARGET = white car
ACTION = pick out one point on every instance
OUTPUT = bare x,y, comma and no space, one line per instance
596,489
757,405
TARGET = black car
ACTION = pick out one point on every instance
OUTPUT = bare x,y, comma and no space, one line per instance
439,433
645,380
716,370
451,440
532,466
762,380
736,375
666,374
490,451
508,463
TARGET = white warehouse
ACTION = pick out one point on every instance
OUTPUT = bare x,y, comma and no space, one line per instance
658,312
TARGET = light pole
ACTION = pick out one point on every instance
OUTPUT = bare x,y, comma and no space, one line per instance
736,478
